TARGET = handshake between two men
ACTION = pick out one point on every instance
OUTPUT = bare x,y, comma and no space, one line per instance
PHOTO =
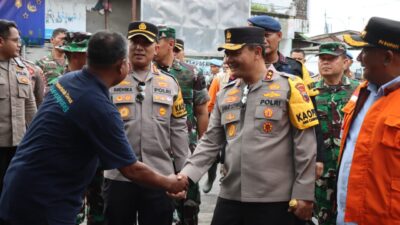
175,185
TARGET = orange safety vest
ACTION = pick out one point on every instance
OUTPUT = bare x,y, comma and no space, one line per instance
373,192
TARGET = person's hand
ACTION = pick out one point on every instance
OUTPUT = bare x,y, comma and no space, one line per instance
179,195
303,210
177,183
319,169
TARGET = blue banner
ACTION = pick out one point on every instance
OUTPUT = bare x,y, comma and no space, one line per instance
29,15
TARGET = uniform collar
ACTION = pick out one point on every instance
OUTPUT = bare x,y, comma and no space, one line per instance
5,64
153,71
345,81
390,86
282,59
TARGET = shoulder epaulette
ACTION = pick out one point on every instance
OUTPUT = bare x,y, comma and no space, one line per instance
19,62
162,72
286,75
230,84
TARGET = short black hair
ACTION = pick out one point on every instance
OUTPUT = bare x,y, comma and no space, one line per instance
58,31
5,26
106,48
253,46
298,50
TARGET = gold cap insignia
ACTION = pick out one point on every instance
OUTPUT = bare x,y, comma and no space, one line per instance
228,36
142,26
363,33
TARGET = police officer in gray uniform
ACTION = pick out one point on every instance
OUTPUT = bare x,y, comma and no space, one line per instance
17,102
266,117
151,104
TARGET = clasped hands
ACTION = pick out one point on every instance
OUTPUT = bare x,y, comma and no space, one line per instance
178,186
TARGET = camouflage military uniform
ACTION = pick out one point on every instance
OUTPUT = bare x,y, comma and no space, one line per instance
52,70
194,91
330,101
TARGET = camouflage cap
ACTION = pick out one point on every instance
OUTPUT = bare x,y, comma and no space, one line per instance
332,48
166,32
75,42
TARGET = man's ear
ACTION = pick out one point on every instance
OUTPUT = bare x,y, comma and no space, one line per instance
389,56
157,48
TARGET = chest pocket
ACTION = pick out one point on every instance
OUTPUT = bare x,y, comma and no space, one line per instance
391,132
162,106
23,86
267,120
3,88
126,105
231,122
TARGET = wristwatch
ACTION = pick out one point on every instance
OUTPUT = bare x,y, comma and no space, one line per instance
293,203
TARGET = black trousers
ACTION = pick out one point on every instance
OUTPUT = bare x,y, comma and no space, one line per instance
126,202
6,154
228,212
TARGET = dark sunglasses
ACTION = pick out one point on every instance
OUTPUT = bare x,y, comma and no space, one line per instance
244,96
140,88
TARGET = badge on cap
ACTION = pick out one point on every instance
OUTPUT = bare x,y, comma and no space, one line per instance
231,130
267,127
142,26
228,36
268,113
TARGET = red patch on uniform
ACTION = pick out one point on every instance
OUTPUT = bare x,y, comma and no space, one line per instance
267,127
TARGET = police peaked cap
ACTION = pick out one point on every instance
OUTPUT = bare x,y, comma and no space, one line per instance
237,37
379,33
148,30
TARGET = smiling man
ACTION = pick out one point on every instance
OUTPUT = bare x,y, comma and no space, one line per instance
151,105
335,90
369,163
266,119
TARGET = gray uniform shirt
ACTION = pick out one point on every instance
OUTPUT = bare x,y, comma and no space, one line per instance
267,159
156,127
17,102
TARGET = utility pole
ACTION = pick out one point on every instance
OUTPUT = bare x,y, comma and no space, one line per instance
134,10
326,25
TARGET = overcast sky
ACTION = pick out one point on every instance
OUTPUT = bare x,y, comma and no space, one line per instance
349,14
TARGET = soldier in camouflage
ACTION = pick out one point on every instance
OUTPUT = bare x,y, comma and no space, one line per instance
195,96
53,65
335,90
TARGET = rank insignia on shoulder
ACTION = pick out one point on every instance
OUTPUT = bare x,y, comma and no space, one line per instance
269,75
